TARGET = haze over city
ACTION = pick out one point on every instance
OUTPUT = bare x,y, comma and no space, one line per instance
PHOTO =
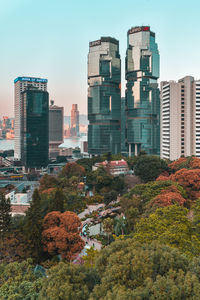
50,39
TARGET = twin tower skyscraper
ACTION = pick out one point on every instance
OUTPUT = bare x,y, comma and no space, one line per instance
130,124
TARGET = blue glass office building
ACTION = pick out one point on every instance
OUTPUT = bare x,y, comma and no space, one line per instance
35,128
142,93
104,96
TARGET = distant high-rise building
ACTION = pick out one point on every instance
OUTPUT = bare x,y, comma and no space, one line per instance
180,118
21,84
142,93
74,120
34,127
6,123
123,126
56,130
104,96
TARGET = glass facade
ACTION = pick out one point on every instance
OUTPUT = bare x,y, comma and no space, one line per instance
123,126
142,93
104,97
35,128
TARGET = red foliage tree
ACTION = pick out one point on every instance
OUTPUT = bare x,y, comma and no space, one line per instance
195,163
49,191
61,234
168,197
185,163
162,178
190,180
175,165
72,169
14,247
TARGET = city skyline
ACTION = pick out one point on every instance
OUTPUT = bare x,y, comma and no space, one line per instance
52,42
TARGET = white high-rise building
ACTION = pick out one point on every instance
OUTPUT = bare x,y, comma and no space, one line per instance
21,84
180,118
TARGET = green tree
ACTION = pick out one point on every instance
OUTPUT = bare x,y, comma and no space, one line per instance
47,182
66,282
87,163
90,257
5,214
18,281
33,226
149,167
130,270
57,202
108,227
119,225
170,226
110,196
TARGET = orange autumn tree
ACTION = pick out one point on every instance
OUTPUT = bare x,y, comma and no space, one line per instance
72,169
189,180
61,234
166,197
190,162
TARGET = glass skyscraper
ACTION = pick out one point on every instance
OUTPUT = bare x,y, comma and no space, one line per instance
35,128
104,96
21,84
142,93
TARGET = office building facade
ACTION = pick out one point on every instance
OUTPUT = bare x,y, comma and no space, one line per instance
56,129
104,96
180,118
74,129
34,128
142,93
21,83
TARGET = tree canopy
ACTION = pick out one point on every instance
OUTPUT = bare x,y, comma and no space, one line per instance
149,167
61,234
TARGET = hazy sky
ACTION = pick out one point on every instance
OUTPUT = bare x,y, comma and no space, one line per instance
49,39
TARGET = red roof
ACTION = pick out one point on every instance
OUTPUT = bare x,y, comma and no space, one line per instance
115,163
19,209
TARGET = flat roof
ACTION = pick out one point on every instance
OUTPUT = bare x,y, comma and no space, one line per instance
31,79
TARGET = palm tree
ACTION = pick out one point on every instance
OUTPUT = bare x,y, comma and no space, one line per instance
120,226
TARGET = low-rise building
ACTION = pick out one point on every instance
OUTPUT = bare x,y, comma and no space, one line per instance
115,167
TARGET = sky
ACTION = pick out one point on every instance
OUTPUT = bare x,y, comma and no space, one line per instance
50,39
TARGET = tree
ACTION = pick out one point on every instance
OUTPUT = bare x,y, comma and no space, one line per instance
14,247
33,226
95,199
61,234
74,201
189,180
72,169
150,190
90,257
140,199
120,226
190,162
170,226
5,214
110,196
130,270
47,182
149,167
57,202
87,163
66,281
18,281
108,227
168,196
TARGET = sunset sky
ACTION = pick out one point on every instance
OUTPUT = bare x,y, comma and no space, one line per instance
49,39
